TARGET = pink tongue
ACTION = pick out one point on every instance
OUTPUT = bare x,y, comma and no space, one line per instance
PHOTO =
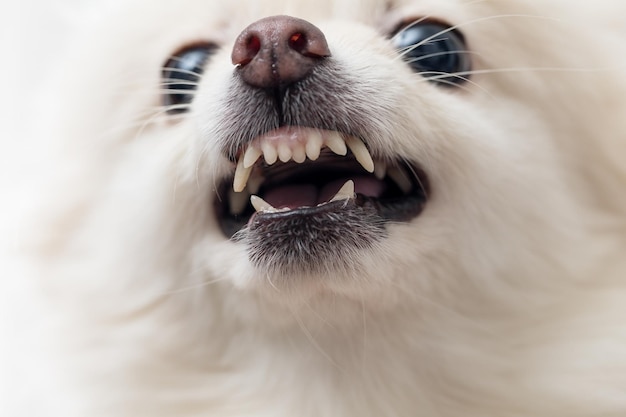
299,195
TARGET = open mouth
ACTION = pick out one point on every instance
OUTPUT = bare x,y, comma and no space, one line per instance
295,175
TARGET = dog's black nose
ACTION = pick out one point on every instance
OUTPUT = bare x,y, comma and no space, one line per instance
278,51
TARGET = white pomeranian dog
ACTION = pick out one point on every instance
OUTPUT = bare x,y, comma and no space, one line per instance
332,208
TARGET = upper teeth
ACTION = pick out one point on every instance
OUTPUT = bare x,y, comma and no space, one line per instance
360,152
297,148
297,145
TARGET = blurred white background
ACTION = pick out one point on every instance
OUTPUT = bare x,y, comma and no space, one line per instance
33,36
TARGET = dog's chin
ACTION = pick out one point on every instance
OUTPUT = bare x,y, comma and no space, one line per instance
268,296
295,278
328,263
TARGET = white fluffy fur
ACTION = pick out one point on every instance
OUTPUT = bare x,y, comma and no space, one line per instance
506,297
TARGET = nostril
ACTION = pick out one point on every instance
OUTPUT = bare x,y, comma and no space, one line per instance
246,51
254,45
310,45
298,42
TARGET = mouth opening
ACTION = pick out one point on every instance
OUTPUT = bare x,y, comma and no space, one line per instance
327,181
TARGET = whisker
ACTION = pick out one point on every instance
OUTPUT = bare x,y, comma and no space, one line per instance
437,54
312,340
131,125
442,77
406,50
416,177
196,286
153,90
316,314
469,22
202,156
269,279
410,25
171,81
364,313
152,119
181,108
181,71
147,118
526,69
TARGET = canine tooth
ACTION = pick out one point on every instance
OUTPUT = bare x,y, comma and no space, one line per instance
360,152
345,193
237,202
251,156
336,144
380,169
254,184
241,176
299,154
284,152
400,178
314,146
269,153
261,205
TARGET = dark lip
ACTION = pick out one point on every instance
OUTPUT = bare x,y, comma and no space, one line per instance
395,206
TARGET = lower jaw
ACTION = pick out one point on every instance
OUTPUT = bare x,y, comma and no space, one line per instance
322,239
315,240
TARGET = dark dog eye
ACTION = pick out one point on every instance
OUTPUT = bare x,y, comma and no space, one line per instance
434,50
181,74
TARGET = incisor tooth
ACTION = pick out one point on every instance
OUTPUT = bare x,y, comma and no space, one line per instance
361,153
314,145
284,152
237,202
380,169
269,153
251,156
299,154
400,178
261,205
345,193
241,176
336,144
